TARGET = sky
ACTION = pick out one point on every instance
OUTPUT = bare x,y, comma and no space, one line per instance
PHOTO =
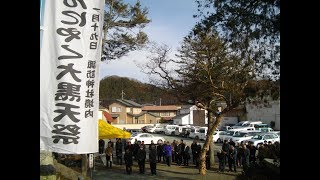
171,20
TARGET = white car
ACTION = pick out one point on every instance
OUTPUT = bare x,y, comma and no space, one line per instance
216,136
226,135
169,129
260,138
146,137
194,132
243,136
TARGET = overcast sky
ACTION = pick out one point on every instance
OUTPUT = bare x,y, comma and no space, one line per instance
171,20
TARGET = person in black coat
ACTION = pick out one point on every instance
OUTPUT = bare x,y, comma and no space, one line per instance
245,158
153,159
232,158
159,151
128,160
119,151
225,149
197,155
136,148
186,156
232,143
221,161
101,146
252,149
141,157
193,150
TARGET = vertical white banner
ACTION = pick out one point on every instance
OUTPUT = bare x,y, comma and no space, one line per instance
70,56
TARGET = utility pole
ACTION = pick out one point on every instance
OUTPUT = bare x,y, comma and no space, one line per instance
160,101
122,93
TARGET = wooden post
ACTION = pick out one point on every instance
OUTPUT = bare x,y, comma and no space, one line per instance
84,164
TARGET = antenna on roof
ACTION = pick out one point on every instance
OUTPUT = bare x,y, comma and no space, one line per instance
122,93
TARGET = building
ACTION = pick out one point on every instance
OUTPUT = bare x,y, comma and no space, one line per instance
266,112
165,112
129,112
191,115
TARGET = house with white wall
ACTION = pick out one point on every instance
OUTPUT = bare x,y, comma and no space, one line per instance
191,115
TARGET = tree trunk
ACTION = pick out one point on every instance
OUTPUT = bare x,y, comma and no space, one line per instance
84,164
202,167
211,155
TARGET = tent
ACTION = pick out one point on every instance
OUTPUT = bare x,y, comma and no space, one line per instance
107,131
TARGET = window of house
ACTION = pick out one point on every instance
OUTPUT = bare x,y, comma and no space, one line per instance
128,110
115,109
150,121
165,114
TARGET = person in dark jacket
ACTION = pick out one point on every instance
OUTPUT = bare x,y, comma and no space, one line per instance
197,155
232,143
168,153
159,151
174,148
232,158
245,158
225,149
221,161
136,148
252,149
141,157
180,152
193,150
119,151
101,146
128,160
153,159
143,145
239,154
186,156
152,144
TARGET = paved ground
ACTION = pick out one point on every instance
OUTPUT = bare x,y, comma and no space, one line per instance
163,172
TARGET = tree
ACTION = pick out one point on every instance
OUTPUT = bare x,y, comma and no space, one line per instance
123,24
250,27
205,72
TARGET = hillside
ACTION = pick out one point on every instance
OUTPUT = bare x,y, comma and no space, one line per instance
111,87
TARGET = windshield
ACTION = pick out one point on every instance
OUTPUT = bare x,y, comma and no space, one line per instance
229,133
245,125
259,137
240,134
202,130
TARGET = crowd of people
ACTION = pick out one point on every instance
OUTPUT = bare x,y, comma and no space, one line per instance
232,154
160,152
245,154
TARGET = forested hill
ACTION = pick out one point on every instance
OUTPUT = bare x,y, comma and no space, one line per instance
111,87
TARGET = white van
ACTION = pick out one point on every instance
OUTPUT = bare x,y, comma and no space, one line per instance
203,133
247,126
157,128
178,129
169,129
194,132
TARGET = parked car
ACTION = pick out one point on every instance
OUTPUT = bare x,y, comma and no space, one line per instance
203,132
185,132
225,128
178,130
228,134
157,128
260,138
194,132
169,129
144,128
216,136
134,132
146,137
243,136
